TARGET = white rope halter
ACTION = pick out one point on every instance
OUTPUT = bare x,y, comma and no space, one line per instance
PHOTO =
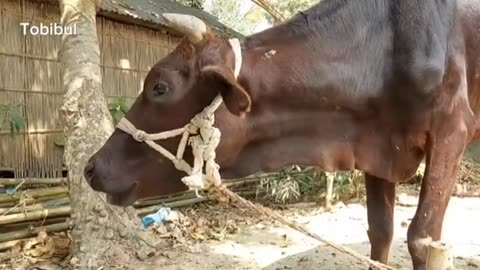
200,134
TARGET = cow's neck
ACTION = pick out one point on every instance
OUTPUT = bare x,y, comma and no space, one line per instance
284,124
290,88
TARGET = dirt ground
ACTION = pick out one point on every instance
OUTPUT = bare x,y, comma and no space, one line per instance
266,246
221,237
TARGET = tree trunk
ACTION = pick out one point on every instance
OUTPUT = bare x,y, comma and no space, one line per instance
101,231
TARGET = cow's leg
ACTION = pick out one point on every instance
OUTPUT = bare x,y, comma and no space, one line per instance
380,207
443,159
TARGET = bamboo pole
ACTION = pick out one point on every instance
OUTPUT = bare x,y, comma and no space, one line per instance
191,194
155,208
37,206
329,190
33,201
7,204
164,197
32,223
230,183
6,237
176,204
439,256
10,244
264,175
178,201
32,181
246,181
35,193
145,203
39,214
49,198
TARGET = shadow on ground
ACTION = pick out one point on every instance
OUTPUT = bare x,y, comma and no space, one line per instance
321,257
272,247
326,258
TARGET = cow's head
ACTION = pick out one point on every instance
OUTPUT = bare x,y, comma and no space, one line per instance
177,88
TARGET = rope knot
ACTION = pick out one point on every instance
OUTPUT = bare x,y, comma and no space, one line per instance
140,136
191,129
202,120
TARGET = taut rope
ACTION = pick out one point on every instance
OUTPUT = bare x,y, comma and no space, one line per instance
204,138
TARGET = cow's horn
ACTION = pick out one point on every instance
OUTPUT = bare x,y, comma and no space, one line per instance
191,26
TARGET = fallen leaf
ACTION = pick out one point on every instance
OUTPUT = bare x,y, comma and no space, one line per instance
62,242
45,250
217,236
160,229
198,236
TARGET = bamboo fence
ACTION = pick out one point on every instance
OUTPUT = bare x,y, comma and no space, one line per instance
30,75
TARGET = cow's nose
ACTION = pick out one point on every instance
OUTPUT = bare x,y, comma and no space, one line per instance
89,170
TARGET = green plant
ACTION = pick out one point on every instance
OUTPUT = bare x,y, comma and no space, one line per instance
11,115
289,185
281,188
118,108
347,185
296,184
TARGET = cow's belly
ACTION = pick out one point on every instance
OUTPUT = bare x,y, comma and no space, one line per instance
339,147
393,156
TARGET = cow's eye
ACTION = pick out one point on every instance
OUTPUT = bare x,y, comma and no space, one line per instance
160,88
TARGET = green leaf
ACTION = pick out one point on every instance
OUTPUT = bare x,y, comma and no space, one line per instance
19,122
12,129
112,106
124,108
117,116
121,100
10,114
118,108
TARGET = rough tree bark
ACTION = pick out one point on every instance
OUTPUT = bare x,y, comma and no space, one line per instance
103,234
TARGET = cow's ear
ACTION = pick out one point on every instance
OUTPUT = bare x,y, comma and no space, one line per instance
234,95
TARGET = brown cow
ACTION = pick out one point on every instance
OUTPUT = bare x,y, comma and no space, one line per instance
326,89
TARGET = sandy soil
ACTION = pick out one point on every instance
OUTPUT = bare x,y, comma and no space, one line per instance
270,247
213,236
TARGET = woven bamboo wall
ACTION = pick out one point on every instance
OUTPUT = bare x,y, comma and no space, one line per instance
30,74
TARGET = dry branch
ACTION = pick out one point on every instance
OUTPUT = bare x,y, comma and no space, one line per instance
32,181
34,231
39,214
35,193
268,7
